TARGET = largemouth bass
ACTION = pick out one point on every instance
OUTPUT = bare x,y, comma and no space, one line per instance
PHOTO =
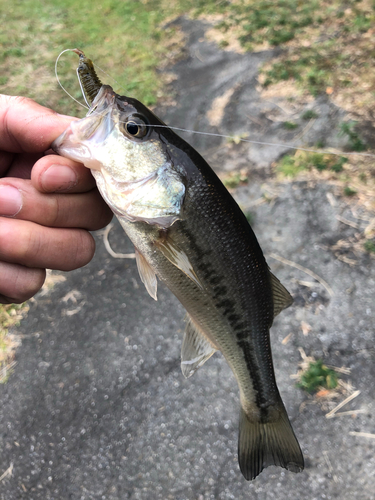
190,234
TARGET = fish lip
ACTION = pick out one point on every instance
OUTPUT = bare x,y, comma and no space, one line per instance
85,128
57,143
105,99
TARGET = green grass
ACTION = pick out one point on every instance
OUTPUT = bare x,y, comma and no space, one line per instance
323,58
309,115
290,125
355,143
316,376
234,179
292,165
313,69
348,191
369,246
275,21
129,40
124,37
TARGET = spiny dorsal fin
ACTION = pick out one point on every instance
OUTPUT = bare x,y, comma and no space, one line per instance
147,274
196,349
281,297
178,258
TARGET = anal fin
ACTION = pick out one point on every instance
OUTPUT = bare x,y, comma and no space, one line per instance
196,349
147,274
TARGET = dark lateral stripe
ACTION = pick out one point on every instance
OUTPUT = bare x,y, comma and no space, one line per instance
256,376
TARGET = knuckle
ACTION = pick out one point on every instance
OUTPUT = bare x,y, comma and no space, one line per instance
55,212
17,240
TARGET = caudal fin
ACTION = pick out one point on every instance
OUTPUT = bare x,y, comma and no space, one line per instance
264,444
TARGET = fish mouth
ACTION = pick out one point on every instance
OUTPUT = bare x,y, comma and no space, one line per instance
81,137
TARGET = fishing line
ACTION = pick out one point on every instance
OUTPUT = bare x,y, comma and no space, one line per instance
109,76
58,80
213,134
275,144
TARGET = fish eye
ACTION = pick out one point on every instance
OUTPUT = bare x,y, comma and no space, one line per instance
134,126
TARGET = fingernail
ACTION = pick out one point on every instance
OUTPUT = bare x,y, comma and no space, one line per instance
58,178
10,201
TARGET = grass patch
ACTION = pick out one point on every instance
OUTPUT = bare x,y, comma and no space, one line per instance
312,69
332,54
276,21
290,125
348,191
10,316
355,143
309,115
369,246
318,376
292,165
235,179
126,38
329,45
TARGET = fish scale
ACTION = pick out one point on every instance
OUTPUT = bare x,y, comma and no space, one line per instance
190,234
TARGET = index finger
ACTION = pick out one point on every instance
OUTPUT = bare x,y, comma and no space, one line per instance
28,127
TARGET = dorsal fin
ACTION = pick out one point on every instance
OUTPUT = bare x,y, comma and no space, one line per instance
196,349
281,297
147,274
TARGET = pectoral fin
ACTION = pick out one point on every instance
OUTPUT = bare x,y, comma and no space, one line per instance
178,258
147,274
196,349
281,297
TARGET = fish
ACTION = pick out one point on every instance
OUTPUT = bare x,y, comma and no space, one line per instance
189,233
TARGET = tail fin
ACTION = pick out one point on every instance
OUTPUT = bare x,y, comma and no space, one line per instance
270,443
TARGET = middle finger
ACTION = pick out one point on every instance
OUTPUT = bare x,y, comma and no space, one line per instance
19,199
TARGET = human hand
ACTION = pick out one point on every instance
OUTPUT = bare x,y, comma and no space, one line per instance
47,203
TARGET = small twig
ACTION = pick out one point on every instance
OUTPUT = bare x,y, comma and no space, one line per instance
363,434
303,269
330,468
331,199
109,249
257,202
287,338
343,370
350,412
343,403
351,262
347,222
8,472
308,284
